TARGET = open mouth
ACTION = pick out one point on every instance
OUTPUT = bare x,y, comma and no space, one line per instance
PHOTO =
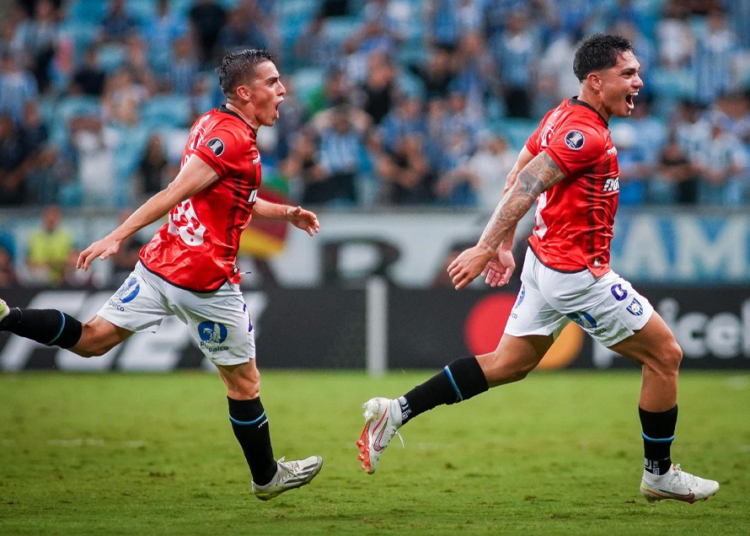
277,108
629,100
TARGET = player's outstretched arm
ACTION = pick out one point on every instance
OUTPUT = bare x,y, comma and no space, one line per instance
537,176
194,176
297,216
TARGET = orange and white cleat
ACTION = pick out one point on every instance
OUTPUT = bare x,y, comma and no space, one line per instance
382,421
677,485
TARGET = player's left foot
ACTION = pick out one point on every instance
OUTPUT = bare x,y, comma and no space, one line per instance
289,475
4,310
677,485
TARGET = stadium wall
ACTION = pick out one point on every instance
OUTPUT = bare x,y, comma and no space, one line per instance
327,327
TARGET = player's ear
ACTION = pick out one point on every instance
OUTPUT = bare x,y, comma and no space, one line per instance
243,93
594,80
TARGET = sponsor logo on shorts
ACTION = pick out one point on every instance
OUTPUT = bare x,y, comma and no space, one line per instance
575,140
126,293
521,296
635,308
618,292
583,319
216,146
212,334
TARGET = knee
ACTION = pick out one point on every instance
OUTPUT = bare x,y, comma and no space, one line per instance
498,369
90,344
244,387
669,357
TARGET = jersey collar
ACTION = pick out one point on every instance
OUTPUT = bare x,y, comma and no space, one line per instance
224,110
575,100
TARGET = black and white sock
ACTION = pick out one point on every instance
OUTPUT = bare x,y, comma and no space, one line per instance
658,434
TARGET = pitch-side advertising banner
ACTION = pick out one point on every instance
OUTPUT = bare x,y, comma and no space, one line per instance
327,328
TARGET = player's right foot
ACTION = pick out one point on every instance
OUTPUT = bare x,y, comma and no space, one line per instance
289,475
4,310
677,485
382,421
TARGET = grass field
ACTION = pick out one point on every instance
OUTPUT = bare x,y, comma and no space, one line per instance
556,454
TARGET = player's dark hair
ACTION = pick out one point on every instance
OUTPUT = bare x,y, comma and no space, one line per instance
238,67
599,52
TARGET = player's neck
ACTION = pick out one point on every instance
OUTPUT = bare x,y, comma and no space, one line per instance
254,124
595,102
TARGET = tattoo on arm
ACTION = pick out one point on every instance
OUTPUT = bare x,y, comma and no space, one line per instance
541,174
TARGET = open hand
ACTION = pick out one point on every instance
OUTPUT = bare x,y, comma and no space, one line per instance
468,265
101,248
303,219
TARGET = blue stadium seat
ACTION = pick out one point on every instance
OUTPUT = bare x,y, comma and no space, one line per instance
166,111
516,131
111,56
339,29
87,11
306,82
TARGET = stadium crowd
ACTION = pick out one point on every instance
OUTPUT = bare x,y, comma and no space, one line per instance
390,102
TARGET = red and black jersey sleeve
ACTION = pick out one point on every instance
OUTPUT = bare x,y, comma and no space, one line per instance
576,148
227,153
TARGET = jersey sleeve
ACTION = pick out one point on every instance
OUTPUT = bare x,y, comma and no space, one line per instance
576,147
532,144
227,153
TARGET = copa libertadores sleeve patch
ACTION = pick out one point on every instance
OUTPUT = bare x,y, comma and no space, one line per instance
217,146
574,140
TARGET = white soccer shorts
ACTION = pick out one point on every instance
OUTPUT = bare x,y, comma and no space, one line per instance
219,321
608,308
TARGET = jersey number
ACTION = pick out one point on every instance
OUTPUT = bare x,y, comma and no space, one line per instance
183,221
541,226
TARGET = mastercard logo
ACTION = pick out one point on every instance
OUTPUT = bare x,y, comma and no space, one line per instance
485,325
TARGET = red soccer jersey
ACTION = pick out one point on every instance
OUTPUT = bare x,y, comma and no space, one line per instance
197,248
574,218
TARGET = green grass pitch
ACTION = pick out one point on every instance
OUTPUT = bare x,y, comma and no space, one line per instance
559,453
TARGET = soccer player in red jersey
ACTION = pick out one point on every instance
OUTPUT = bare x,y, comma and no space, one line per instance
569,167
189,267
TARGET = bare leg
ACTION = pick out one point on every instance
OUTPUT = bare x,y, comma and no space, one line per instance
98,337
514,358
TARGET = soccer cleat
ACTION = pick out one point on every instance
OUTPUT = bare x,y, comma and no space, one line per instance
679,486
289,475
382,421
4,310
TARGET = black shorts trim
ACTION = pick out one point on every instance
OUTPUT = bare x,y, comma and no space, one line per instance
180,286
557,269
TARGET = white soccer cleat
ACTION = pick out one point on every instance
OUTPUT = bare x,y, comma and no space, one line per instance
679,486
382,421
4,309
289,475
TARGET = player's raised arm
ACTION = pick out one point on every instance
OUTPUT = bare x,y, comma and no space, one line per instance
540,174
297,216
194,176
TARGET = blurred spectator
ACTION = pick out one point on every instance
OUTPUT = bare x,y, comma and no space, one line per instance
486,170
652,132
95,144
12,158
457,189
675,36
38,37
442,23
556,79
378,91
207,18
48,249
634,167
136,53
516,51
715,56
49,172
692,129
406,174
153,168
676,180
723,166
302,167
161,32
335,91
89,78
122,98
17,87
116,26
732,112
405,120
341,149
436,73
240,32
73,277
314,47
183,71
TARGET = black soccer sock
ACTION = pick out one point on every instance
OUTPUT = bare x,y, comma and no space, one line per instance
658,434
250,427
460,380
47,326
